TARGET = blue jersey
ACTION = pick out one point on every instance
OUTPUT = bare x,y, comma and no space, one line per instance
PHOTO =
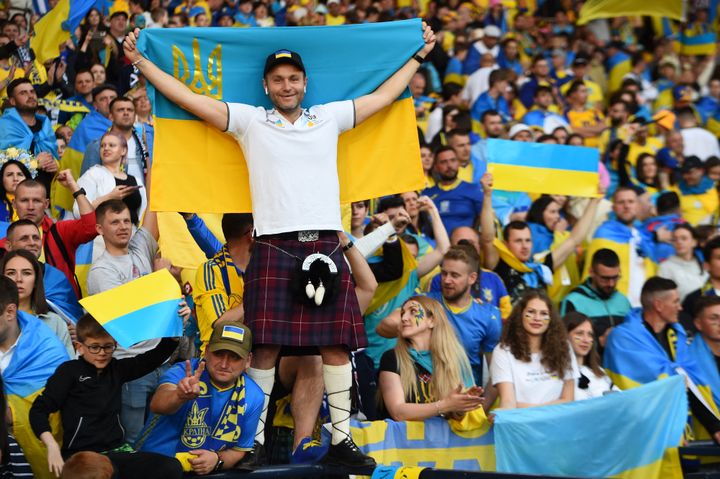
458,204
478,328
164,434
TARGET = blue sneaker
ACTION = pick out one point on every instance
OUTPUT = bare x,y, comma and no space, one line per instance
309,451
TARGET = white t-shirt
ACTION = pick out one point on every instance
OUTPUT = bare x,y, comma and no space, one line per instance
477,84
699,142
293,166
532,383
688,275
134,162
637,273
598,385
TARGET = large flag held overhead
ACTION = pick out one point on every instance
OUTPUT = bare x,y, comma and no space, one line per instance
198,168
593,439
145,308
594,9
541,168
56,26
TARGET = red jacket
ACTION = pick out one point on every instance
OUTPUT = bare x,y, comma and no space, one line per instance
62,239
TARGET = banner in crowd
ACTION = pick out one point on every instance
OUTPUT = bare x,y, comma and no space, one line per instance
593,438
542,168
594,9
198,168
589,438
56,26
124,311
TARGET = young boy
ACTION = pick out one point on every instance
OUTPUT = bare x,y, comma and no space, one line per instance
86,391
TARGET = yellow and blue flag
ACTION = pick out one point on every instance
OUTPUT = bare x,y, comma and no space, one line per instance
37,354
541,168
546,440
92,127
594,9
227,64
145,308
617,66
56,27
617,237
698,39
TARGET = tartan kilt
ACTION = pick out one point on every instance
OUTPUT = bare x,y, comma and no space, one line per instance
276,316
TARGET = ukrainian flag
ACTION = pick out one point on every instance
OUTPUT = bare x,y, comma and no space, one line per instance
616,236
342,62
37,354
594,9
57,26
145,308
698,40
92,127
617,67
526,439
540,168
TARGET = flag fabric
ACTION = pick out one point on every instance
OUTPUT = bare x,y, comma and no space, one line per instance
24,380
56,26
617,67
594,9
145,308
698,40
92,127
541,168
227,64
41,7
594,436
617,237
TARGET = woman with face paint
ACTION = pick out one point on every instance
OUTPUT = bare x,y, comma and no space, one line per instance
533,365
427,374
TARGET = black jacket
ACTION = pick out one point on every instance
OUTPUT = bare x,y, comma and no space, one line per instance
89,402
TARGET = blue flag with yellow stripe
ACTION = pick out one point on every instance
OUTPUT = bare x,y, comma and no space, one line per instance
37,354
56,26
592,438
342,62
541,168
145,308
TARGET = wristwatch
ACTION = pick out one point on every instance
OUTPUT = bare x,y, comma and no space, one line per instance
79,192
219,464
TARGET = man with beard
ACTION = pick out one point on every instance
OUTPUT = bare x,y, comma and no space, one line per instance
22,127
477,324
621,235
598,297
458,202
618,116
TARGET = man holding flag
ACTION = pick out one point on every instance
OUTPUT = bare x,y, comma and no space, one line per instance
295,150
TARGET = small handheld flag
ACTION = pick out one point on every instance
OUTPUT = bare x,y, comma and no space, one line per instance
145,308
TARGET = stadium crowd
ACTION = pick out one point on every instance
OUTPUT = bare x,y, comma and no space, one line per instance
465,297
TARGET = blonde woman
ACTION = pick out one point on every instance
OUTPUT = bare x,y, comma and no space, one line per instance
427,374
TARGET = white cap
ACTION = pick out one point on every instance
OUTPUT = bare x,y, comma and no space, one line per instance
330,2
517,128
492,31
476,34
321,9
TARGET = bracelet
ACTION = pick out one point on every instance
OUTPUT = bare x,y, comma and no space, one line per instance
348,246
418,59
79,192
138,62
437,406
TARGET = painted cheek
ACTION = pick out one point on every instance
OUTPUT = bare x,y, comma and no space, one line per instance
419,316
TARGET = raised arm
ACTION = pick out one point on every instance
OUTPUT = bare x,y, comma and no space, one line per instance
487,224
212,111
385,94
579,232
428,262
365,282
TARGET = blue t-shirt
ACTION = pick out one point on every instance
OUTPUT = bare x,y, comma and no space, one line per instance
458,205
478,328
162,433
489,288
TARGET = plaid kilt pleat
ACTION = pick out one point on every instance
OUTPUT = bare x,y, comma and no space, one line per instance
276,316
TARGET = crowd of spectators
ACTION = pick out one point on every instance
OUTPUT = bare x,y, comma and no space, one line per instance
473,298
